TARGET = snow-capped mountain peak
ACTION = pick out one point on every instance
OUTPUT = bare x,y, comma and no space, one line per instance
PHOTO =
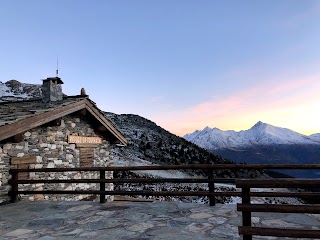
260,134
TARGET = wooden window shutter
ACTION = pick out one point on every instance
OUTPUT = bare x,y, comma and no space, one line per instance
23,163
23,175
86,157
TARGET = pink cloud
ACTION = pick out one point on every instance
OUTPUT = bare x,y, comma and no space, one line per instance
236,109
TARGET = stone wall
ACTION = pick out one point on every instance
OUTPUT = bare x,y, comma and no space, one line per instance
49,145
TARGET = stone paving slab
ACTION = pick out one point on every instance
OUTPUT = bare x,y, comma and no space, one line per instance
46,220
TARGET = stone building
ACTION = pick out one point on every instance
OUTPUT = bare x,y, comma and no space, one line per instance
55,131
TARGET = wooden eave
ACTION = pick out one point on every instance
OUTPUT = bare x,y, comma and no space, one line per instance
23,125
104,121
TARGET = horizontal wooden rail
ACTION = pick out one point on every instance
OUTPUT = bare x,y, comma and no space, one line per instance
176,167
245,184
286,194
129,180
279,183
280,208
279,232
247,208
146,193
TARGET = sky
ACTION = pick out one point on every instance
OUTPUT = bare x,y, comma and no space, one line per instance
184,64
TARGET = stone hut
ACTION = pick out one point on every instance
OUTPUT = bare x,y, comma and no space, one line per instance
55,131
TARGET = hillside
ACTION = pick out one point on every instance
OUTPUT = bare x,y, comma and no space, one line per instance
151,144
14,90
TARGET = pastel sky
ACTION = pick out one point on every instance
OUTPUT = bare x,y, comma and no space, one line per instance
184,64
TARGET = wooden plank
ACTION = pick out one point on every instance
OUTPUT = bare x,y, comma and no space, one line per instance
23,175
84,139
279,232
172,167
286,194
36,120
126,180
280,208
278,183
145,193
21,160
106,122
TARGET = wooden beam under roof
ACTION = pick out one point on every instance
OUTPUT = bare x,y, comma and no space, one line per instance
106,122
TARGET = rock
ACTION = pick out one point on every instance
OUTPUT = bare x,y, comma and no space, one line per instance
79,208
7,146
90,219
18,232
50,165
199,227
217,220
140,227
27,134
278,223
200,215
57,161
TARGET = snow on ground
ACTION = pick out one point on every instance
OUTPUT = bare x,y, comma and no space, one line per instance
135,161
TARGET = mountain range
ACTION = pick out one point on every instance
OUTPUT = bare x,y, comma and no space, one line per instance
263,143
261,134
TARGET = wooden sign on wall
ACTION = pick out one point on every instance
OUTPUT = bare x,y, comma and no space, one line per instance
83,139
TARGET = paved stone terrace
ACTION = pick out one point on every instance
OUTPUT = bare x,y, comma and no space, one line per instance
133,220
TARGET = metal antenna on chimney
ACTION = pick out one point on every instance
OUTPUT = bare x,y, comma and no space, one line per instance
57,71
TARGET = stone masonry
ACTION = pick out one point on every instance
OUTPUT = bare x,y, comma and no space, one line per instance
49,145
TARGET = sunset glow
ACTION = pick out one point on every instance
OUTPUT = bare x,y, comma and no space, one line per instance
183,64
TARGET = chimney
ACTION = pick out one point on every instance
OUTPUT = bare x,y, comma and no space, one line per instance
51,89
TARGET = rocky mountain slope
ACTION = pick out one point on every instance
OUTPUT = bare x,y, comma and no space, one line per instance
150,144
14,90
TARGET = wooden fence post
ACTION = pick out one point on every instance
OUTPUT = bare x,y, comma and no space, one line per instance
246,215
14,186
102,186
212,199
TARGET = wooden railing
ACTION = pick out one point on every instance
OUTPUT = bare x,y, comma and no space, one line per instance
247,230
246,207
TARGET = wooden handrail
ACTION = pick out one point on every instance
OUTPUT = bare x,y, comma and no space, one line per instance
247,208
245,184
279,232
282,208
146,193
129,180
279,183
177,167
